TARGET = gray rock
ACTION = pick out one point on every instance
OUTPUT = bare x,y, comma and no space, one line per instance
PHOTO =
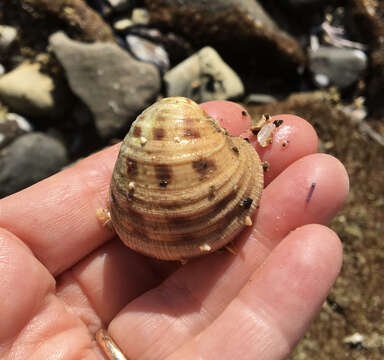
203,77
113,85
148,51
259,99
336,66
29,159
8,35
12,126
28,91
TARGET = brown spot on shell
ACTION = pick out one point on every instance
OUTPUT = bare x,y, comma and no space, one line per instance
203,166
193,133
137,131
211,194
163,172
220,205
132,169
158,133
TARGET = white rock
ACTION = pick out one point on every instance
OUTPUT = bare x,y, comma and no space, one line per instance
21,121
123,24
8,36
140,16
354,339
203,77
27,90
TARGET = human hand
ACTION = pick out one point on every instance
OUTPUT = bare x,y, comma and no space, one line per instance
63,276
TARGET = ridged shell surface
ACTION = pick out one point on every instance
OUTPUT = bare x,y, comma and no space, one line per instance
181,187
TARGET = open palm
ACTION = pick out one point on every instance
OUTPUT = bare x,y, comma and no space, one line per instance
63,276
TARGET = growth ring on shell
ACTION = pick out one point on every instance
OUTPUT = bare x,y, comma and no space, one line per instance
181,186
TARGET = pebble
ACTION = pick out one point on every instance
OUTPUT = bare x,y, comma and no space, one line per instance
109,81
8,35
354,339
29,159
122,24
12,126
30,92
259,99
203,77
336,66
140,16
148,51
120,5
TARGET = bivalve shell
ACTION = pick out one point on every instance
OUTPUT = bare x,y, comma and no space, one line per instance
188,189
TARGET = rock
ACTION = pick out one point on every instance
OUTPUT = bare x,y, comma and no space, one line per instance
140,16
29,159
203,77
122,24
148,51
354,340
259,99
8,35
239,29
2,69
12,126
369,27
29,91
113,85
77,16
336,66
176,46
121,5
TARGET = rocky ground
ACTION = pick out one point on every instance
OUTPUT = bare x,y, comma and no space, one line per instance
74,74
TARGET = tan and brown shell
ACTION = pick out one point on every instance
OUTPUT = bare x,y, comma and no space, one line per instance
181,187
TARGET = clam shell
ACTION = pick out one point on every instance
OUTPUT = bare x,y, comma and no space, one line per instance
181,187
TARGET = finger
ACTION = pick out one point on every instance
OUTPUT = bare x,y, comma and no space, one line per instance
57,217
164,318
108,279
34,323
292,140
275,307
24,283
311,190
230,115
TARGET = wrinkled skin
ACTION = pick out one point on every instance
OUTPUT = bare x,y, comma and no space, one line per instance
63,276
